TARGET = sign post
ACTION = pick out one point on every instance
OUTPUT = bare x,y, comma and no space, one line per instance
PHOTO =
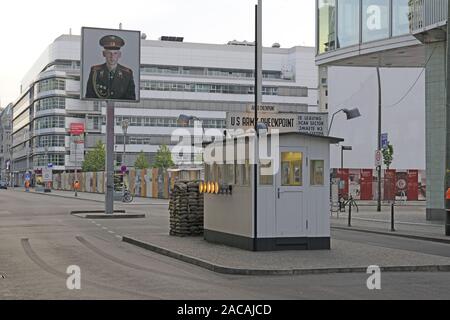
76,130
110,72
384,141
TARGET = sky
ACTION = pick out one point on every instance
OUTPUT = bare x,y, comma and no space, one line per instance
27,27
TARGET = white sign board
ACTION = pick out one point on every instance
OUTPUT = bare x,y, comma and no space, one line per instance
47,175
378,158
110,64
76,151
311,123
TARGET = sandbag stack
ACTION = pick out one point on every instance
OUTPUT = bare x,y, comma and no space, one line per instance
186,209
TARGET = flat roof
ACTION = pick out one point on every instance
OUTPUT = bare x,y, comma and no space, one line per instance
332,140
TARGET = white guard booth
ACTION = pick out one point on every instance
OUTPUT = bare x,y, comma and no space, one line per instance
293,200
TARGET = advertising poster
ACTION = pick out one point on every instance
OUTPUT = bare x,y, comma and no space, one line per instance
401,186
354,184
366,184
422,185
110,64
413,185
389,185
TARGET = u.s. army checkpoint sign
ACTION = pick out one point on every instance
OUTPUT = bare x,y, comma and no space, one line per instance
311,123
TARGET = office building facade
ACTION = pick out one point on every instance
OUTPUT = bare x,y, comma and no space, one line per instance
204,81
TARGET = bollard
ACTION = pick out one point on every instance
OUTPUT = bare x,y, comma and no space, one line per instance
447,213
392,217
350,215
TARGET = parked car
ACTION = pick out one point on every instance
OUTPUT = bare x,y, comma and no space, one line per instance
3,185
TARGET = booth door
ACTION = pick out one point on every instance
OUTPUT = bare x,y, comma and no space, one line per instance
290,183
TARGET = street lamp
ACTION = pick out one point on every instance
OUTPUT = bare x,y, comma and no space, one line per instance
344,148
351,114
125,124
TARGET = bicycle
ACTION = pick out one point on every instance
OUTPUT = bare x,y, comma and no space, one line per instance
127,197
343,203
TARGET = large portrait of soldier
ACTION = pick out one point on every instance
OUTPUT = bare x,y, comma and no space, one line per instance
110,64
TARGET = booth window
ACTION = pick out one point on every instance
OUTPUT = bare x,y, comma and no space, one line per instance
243,174
229,174
317,172
292,169
265,180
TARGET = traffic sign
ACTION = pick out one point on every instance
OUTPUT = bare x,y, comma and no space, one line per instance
50,165
384,141
378,158
27,176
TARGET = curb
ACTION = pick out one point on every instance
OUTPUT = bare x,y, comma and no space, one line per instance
394,234
265,272
98,201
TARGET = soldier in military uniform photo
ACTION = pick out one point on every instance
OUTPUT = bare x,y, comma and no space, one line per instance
111,80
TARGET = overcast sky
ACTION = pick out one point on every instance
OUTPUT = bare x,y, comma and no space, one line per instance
28,27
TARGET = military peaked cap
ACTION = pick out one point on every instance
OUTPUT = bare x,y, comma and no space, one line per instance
111,42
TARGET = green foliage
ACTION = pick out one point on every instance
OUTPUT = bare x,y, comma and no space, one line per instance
388,155
163,158
141,161
94,160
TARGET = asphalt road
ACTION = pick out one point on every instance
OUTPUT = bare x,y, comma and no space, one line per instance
39,240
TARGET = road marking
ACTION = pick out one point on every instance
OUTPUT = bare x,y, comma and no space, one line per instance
120,237
104,228
111,231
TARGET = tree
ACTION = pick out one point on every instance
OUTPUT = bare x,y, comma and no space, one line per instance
163,158
388,155
94,160
141,161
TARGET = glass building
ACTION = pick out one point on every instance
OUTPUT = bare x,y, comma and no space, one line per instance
396,33
346,23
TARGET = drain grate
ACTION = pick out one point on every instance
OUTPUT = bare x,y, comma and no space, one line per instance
2,276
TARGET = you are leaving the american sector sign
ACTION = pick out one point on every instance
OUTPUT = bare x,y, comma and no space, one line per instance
312,123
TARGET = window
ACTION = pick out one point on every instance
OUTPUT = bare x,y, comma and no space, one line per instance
50,122
327,18
348,23
266,179
51,84
50,103
375,24
292,169
50,141
317,172
400,17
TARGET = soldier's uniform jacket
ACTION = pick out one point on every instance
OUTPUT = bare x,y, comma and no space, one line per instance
118,84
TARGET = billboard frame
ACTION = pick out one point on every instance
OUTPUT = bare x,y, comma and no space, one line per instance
83,76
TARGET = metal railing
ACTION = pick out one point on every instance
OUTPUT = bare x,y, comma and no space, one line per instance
427,14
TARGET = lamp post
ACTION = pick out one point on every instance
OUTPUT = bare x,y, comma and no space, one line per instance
125,124
351,114
379,139
344,148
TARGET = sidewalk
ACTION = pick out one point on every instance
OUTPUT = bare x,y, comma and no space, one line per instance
99,197
408,221
344,257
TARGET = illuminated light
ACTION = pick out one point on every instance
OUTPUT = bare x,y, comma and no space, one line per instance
217,188
200,187
208,188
